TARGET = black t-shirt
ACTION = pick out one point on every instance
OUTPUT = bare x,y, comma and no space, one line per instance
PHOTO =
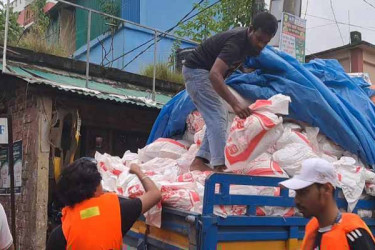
130,211
357,239
231,46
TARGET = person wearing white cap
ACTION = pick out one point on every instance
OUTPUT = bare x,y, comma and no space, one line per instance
6,239
329,228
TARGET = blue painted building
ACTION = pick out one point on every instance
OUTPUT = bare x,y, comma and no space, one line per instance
158,14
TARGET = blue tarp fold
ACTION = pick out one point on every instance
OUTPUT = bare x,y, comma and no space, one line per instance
322,94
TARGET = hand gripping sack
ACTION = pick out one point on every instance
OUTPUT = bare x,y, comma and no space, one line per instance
249,138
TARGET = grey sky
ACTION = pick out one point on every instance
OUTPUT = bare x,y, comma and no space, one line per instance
323,34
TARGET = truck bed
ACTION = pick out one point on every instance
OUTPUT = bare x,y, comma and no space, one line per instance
187,230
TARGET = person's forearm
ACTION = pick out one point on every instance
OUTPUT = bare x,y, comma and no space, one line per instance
147,183
152,195
219,86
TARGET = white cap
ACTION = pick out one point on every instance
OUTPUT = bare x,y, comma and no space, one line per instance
313,170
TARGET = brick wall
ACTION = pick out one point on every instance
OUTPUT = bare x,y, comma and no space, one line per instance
24,109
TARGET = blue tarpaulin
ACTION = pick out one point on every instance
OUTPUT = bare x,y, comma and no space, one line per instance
172,118
322,94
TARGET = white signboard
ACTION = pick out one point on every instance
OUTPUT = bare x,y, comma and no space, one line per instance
3,131
4,169
293,36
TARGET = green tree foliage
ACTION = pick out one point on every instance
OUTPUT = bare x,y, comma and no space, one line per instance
220,17
14,31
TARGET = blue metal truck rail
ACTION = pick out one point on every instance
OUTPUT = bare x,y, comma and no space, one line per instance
206,231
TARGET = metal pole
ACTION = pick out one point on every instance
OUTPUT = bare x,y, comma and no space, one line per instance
11,173
88,49
154,76
6,38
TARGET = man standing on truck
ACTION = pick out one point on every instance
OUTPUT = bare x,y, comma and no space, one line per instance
204,72
328,228
91,218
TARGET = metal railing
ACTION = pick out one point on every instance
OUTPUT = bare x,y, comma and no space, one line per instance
6,37
157,34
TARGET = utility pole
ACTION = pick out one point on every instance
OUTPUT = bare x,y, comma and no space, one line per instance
277,7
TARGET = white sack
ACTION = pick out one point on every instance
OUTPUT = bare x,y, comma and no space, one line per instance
249,138
291,157
351,178
162,148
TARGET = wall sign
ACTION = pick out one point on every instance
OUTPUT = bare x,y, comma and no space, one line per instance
293,36
4,169
3,130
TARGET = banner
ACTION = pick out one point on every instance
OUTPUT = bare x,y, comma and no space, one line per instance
293,36
4,169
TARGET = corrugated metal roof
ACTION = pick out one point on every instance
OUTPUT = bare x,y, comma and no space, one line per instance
77,85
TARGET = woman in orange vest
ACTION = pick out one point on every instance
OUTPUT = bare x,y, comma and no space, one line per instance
329,228
92,219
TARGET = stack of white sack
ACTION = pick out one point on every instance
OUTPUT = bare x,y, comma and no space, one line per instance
176,191
263,127
261,145
297,145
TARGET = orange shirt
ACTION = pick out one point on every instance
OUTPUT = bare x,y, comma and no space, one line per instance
93,224
336,237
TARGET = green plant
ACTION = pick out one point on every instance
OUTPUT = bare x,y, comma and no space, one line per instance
41,19
111,7
163,72
33,42
14,30
35,39
173,56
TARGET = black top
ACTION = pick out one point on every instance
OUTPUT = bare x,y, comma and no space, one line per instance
130,211
357,239
231,46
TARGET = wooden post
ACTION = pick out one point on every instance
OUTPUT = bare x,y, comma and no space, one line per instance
43,150
11,173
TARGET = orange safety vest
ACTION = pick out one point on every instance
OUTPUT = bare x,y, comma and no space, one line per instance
336,237
93,224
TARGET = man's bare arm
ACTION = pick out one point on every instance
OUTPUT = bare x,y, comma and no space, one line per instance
152,195
217,73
